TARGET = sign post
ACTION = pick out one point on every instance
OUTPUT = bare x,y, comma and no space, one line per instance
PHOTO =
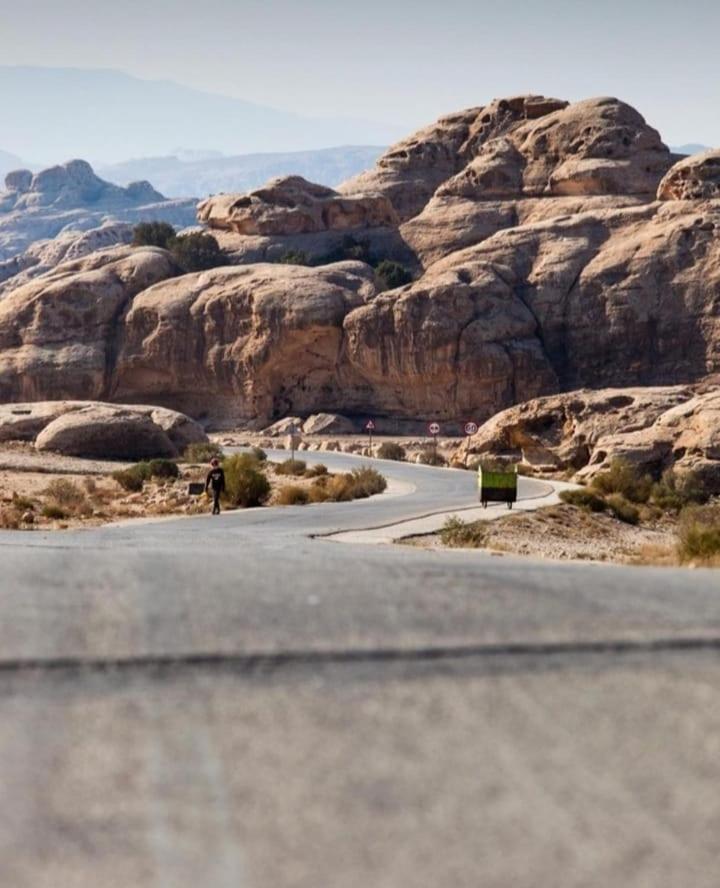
294,434
434,429
370,428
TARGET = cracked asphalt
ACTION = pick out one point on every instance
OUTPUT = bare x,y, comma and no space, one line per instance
241,701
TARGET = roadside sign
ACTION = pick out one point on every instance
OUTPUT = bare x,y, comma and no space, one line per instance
370,426
470,428
434,428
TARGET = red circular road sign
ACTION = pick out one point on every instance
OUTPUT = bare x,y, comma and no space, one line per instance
470,428
370,426
434,428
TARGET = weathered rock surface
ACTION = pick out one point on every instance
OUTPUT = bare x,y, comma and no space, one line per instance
92,429
292,205
328,424
549,266
239,342
40,206
694,178
44,255
652,428
58,332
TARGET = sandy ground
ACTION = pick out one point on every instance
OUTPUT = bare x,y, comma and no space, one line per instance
568,533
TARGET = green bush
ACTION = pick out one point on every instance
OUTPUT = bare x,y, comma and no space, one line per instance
131,479
699,533
153,234
349,248
292,495
391,275
53,511
294,257
584,499
626,480
197,251
245,483
622,509
457,533
391,450
163,468
316,471
678,489
202,452
431,457
291,467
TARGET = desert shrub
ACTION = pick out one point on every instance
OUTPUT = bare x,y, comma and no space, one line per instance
22,503
626,480
131,479
90,485
391,450
153,234
366,482
66,494
318,492
259,454
349,248
245,483
678,489
296,467
163,468
431,457
53,511
457,533
9,519
293,495
202,451
392,274
294,257
584,499
622,509
197,251
316,471
699,533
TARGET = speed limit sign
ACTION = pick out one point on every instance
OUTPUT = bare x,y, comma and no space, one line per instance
434,428
470,428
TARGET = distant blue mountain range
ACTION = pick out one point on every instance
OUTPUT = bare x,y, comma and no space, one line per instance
106,116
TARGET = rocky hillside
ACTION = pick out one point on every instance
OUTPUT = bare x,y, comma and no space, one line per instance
554,246
40,206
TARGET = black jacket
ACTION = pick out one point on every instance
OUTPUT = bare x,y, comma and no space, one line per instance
215,479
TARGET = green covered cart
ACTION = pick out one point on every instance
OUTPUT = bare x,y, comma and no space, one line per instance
497,486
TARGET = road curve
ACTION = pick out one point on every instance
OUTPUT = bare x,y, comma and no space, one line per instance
242,701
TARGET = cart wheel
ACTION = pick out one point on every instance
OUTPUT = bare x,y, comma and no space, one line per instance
509,505
484,504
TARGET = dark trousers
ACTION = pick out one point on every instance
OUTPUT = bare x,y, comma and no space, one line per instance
216,502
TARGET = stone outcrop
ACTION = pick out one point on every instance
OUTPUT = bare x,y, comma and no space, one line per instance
292,216
584,431
58,333
694,178
544,262
39,206
92,429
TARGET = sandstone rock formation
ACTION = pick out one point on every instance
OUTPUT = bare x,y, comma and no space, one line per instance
292,215
71,196
583,431
694,178
544,263
92,429
43,255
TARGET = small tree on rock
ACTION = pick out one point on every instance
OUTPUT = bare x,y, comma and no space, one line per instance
153,234
197,251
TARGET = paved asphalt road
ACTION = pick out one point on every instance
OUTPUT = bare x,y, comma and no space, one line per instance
233,702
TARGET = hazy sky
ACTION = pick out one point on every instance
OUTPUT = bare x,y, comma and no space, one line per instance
405,61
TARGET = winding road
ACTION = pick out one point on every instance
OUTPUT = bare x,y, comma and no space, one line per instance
279,698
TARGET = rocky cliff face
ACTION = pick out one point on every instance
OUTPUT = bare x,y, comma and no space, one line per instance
71,197
554,247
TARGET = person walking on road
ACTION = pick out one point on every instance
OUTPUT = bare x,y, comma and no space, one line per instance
215,480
